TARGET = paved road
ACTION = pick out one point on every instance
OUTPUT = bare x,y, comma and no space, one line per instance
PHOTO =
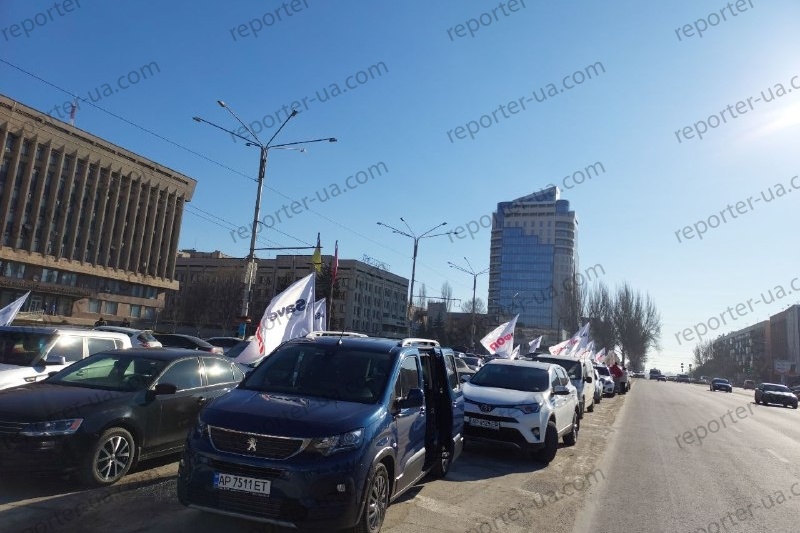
685,459
487,490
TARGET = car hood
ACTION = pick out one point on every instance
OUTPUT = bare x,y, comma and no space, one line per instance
288,415
498,396
780,394
45,401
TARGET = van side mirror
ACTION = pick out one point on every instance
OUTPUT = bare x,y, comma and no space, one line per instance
415,398
560,390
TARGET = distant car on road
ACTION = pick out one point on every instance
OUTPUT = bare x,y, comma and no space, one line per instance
660,377
682,378
768,393
720,384
749,384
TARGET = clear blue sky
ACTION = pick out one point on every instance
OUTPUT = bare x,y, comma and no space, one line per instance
433,82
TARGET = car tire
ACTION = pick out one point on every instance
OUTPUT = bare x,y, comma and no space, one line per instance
548,453
590,409
572,437
110,459
442,465
794,406
376,502
580,410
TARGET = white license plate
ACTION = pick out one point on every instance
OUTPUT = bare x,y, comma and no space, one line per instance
481,423
241,484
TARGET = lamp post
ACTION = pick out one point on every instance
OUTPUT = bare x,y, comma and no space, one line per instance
410,234
264,148
474,275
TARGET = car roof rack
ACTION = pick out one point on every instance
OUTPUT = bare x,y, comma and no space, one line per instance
316,334
413,341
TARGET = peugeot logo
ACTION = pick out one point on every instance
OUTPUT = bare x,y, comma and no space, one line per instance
251,444
486,408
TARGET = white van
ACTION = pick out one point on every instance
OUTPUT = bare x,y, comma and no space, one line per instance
581,374
30,354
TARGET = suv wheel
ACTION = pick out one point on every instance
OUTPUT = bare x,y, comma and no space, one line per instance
572,437
548,453
590,409
377,500
111,458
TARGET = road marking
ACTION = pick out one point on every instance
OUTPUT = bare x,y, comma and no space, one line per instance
776,456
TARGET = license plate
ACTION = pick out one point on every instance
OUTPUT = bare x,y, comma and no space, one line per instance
481,423
241,484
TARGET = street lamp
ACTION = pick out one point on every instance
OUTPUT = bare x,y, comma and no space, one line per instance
410,234
262,168
474,275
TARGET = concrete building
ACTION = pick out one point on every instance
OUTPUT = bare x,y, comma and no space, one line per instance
532,258
748,349
91,229
784,331
369,299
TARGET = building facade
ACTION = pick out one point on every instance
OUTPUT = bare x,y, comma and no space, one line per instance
532,258
91,229
368,299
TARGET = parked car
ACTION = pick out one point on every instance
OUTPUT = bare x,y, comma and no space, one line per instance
721,384
175,340
606,380
475,363
226,343
796,390
669,378
463,368
100,416
768,393
522,404
30,354
580,372
749,384
140,338
598,387
325,433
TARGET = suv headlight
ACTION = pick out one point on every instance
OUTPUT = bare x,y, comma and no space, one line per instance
52,428
528,408
326,446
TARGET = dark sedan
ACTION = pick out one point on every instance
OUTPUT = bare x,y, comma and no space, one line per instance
176,340
768,393
99,416
720,384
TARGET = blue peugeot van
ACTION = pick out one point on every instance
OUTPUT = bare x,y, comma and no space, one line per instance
326,432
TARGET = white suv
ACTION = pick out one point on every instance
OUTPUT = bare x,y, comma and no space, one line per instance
523,404
581,373
30,354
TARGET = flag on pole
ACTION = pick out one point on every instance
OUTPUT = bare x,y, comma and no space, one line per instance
515,352
600,356
9,312
73,110
534,344
565,348
289,315
317,257
583,340
335,268
500,340
320,307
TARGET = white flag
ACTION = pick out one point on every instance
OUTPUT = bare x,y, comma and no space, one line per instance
534,344
320,308
288,316
514,353
568,346
9,312
582,339
600,356
501,339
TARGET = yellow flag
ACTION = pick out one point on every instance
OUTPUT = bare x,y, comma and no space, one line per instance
317,257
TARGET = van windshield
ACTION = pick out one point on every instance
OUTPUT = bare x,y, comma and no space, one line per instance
330,372
24,348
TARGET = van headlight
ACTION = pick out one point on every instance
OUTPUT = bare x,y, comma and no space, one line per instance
52,428
326,446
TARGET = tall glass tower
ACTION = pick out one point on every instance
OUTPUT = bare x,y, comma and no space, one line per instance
532,258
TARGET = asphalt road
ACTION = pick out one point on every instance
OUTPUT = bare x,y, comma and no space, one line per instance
743,475
487,490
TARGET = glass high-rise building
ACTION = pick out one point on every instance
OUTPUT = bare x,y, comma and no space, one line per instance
533,257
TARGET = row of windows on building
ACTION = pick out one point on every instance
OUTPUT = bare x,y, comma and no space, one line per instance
112,308
15,269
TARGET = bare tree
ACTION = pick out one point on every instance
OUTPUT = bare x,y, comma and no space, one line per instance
422,300
447,296
570,303
637,324
599,309
480,307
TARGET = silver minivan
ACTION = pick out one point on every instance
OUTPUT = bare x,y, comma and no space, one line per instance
30,354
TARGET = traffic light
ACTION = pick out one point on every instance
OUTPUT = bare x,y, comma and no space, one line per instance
681,367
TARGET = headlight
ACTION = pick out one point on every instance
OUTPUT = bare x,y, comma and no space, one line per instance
528,408
52,428
326,446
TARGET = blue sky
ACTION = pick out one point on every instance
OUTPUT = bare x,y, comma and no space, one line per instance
652,84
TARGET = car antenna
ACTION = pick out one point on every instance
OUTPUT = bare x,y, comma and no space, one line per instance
341,335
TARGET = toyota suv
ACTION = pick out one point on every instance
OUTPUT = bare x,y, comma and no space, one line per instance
523,404
325,433
581,372
30,354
